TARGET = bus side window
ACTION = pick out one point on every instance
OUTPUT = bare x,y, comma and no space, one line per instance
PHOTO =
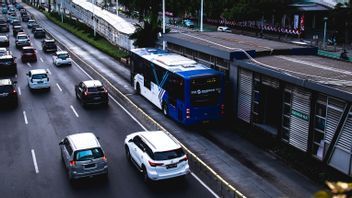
147,76
172,90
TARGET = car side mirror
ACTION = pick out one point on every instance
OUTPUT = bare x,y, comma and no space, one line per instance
98,137
131,140
61,143
14,82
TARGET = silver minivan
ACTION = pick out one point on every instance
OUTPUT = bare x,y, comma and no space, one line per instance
83,156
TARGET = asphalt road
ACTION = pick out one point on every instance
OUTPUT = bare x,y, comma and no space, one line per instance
42,119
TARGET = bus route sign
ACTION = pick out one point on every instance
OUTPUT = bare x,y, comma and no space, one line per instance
300,115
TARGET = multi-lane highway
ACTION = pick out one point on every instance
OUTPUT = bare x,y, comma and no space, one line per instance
31,163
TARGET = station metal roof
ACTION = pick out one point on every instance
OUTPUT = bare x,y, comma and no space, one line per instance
229,46
329,76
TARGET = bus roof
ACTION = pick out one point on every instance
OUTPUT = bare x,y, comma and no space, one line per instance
173,62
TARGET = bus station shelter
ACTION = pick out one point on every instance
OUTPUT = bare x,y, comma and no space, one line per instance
283,89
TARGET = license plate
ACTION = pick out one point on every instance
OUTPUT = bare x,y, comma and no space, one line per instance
171,166
39,82
97,98
89,166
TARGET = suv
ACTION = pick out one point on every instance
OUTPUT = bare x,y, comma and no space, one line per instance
4,27
22,40
48,45
34,27
25,17
39,33
30,23
16,22
16,29
4,41
28,54
83,156
156,155
38,79
91,92
8,94
8,65
62,58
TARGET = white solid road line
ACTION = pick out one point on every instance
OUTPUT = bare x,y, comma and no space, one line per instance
35,162
48,70
29,64
19,91
42,60
74,111
140,124
25,117
205,186
58,86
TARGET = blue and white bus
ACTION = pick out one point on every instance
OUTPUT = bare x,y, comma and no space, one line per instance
183,89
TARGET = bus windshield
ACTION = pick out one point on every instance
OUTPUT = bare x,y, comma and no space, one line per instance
205,90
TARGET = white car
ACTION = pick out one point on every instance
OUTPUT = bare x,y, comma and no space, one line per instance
224,29
62,58
38,79
156,155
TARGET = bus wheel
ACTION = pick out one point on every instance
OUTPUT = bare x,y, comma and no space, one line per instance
138,89
165,109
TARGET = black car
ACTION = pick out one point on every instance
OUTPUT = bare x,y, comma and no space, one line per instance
16,29
8,93
39,33
4,41
8,65
49,45
25,18
4,27
16,22
35,26
91,92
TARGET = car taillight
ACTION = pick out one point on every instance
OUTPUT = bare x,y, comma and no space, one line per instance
86,93
184,159
105,91
104,158
188,113
222,109
14,91
73,163
153,164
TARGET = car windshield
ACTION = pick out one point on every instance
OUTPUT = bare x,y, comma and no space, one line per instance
88,154
39,76
6,61
3,25
28,50
50,44
166,155
22,37
3,38
5,89
95,89
63,56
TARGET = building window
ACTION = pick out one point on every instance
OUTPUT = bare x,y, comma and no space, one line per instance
286,115
319,127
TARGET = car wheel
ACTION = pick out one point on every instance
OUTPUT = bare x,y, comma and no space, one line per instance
138,89
128,154
165,110
145,175
77,96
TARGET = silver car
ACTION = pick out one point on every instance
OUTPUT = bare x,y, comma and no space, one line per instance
83,156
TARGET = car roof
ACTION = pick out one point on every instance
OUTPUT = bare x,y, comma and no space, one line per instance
5,82
31,20
38,71
3,36
17,26
61,52
92,83
49,40
84,140
27,47
158,141
6,56
3,49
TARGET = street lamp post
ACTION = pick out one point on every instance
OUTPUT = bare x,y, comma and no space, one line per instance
94,22
324,37
117,7
61,9
164,24
201,15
